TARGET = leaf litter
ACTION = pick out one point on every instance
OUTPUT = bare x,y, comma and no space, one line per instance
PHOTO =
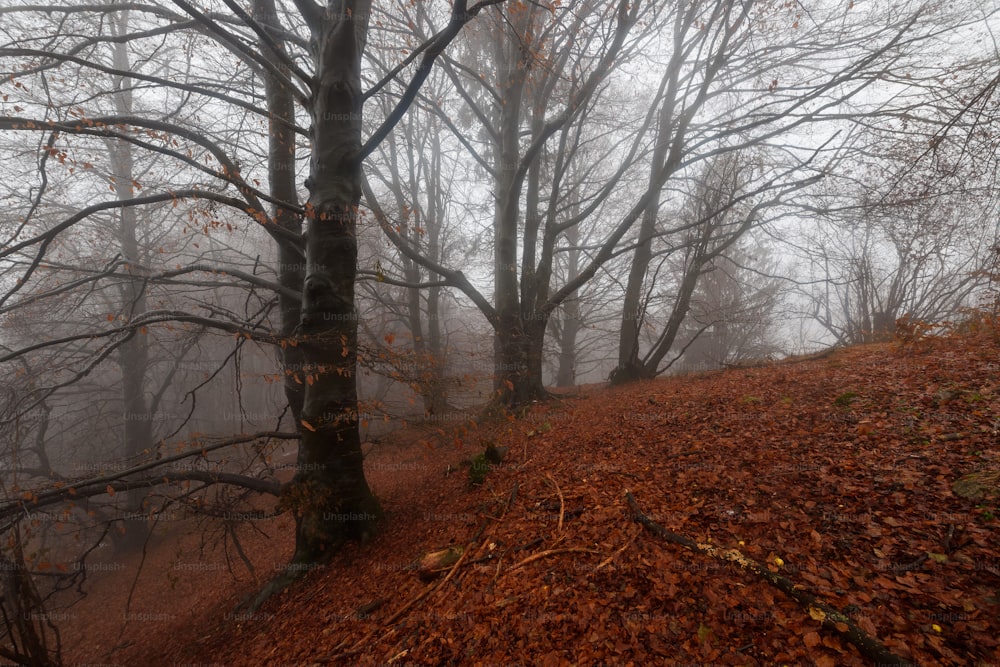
850,500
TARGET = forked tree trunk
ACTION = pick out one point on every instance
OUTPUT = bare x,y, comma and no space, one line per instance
630,367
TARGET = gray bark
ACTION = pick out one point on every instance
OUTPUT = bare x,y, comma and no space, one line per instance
133,355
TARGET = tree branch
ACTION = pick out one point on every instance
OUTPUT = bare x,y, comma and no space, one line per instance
85,487
460,15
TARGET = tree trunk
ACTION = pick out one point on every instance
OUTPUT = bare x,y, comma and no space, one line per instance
570,325
436,398
510,363
629,365
329,494
133,355
682,304
281,177
534,353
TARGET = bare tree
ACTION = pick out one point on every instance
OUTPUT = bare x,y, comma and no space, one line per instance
309,59
732,311
723,207
772,96
886,260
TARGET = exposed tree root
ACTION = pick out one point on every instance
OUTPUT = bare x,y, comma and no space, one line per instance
342,651
273,587
831,618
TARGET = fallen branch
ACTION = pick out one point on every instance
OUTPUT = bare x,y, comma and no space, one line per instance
831,618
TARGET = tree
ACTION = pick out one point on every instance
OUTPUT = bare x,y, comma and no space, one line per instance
534,117
766,98
316,269
898,239
732,310
420,172
721,210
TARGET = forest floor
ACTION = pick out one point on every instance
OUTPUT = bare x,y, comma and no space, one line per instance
835,473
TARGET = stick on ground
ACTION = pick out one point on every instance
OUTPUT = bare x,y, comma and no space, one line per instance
832,618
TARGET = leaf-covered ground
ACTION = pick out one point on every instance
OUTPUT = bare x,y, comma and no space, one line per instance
836,472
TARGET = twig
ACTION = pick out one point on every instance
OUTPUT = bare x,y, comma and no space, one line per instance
947,546
364,641
562,504
494,520
528,545
454,568
550,552
623,548
365,610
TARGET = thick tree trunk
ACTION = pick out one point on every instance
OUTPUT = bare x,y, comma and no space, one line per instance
329,494
510,362
628,340
629,365
534,340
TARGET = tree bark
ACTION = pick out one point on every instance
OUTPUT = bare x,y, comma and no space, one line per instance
629,365
510,362
329,493
570,324
133,355
281,178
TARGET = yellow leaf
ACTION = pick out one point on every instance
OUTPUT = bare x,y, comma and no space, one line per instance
817,614
308,425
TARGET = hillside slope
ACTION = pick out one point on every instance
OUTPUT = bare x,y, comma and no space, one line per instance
836,472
